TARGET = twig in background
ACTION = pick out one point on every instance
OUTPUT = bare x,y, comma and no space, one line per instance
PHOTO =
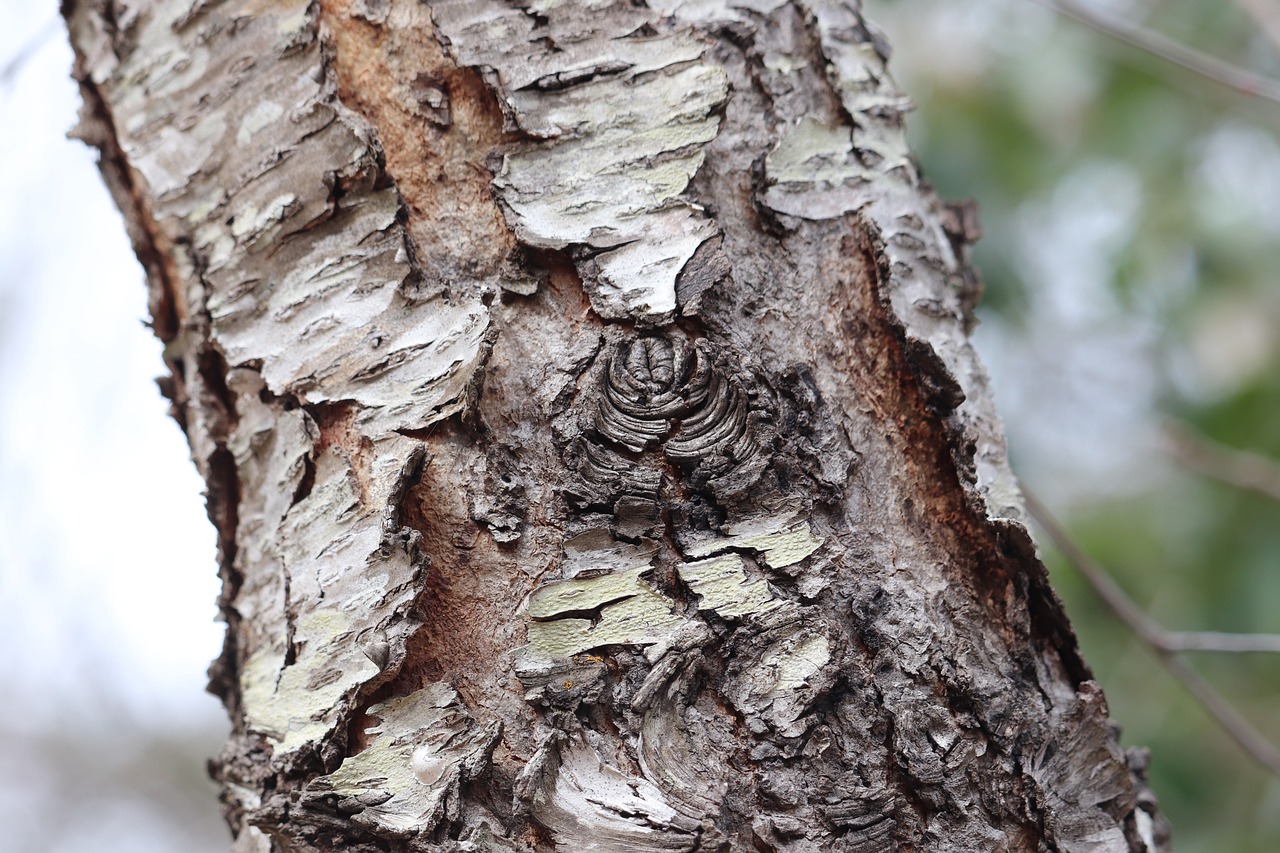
1238,468
1210,67
1214,641
1158,640
1266,14
11,68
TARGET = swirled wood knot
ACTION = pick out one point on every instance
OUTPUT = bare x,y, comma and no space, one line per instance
659,393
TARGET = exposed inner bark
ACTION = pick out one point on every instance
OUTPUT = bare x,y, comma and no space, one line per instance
598,454
436,125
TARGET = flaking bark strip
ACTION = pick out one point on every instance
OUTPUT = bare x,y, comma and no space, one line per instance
859,161
604,181
409,777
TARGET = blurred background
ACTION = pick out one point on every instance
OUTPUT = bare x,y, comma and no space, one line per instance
1132,216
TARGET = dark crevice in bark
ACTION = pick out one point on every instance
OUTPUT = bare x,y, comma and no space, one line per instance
308,481
290,634
222,505
1046,615
223,508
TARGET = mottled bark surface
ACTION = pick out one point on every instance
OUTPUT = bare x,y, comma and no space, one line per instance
591,427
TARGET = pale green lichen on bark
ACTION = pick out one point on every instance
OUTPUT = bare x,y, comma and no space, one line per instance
633,612
779,541
585,593
722,585
640,616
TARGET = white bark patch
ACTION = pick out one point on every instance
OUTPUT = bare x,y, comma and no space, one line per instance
408,778
716,10
259,118
777,687
311,284
251,840
814,172
270,451
1080,774
619,606
339,324
301,266
672,737
625,118
591,806
349,582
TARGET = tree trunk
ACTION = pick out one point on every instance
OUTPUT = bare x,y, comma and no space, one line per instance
597,451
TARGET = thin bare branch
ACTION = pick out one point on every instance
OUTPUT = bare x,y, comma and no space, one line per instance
1240,468
1158,640
9,71
1214,641
1228,718
1266,14
1210,67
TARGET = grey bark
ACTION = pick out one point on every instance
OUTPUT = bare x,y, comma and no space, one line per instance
597,451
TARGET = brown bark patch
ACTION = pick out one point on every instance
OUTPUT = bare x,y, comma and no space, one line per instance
467,604
878,352
437,124
337,425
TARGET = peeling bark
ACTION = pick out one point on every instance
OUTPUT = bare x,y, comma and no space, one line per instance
597,450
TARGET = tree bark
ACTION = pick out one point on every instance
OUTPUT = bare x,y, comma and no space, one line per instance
597,451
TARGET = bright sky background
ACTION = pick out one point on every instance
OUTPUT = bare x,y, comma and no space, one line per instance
107,561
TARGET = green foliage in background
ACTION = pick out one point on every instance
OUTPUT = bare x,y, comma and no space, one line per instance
1132,217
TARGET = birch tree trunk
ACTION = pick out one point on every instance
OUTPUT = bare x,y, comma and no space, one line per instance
597,451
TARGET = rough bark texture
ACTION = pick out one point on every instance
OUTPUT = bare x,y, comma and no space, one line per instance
597,451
